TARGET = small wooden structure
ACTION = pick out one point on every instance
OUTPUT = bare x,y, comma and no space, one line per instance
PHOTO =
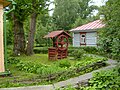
3,3
60,45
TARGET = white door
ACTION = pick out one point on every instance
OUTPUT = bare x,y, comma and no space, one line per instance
76,39
91,39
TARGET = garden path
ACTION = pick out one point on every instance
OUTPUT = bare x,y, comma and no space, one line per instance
73,81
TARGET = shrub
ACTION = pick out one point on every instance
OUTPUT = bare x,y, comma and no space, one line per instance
67,88
64,64
43,50
87,49
105,80
77,53
12,60
89,60
43,71
28,66
91,50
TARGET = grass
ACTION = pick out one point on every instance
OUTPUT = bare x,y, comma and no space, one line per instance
37,58
41,58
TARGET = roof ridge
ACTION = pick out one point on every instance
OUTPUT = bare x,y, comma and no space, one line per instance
91,25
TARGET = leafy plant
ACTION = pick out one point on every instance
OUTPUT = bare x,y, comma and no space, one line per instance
64,64
77,54
43,71
87,49
105,80
43,50
67,88
28,66
12,60
109,40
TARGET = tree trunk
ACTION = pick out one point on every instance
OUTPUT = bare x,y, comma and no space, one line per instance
30,44
19,38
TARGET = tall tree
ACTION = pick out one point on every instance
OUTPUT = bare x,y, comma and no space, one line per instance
67,11
110,35
18,16
37,7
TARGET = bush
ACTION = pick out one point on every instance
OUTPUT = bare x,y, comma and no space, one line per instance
47,70
77,54
12,60
89,60
64,64
105,80
87,49
67,88
42,50
28,66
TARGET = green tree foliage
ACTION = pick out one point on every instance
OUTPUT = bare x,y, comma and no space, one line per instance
68,11
44,26
41,30
36,7
9,32
19,15
110,35
25,9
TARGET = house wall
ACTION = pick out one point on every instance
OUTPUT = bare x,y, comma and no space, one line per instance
76,39
1,40
90,39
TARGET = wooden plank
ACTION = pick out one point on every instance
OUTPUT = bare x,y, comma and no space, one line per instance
1,40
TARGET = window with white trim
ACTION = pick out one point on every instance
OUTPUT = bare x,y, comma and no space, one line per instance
82,39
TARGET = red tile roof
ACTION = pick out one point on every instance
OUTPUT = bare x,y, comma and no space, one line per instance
92,25
55,33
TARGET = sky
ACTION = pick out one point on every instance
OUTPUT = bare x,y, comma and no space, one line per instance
99,2
96,2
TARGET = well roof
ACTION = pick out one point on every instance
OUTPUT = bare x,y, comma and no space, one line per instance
56,33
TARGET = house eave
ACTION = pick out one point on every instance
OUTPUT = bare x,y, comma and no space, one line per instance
87,30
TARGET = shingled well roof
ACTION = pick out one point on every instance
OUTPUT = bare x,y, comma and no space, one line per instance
55,33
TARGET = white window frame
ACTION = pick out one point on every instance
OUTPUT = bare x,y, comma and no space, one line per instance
82,39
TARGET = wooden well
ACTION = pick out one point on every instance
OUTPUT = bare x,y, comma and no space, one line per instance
60,45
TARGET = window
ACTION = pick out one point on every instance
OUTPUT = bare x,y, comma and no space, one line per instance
82,40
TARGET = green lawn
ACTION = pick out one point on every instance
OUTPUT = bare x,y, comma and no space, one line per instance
42,58
37,58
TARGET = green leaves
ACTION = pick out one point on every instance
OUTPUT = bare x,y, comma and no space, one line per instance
77,53
68,11
109,79
110,35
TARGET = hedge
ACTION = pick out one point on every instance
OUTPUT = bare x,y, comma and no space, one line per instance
91,50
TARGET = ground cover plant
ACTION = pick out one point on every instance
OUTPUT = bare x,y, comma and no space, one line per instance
37,69
104,80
